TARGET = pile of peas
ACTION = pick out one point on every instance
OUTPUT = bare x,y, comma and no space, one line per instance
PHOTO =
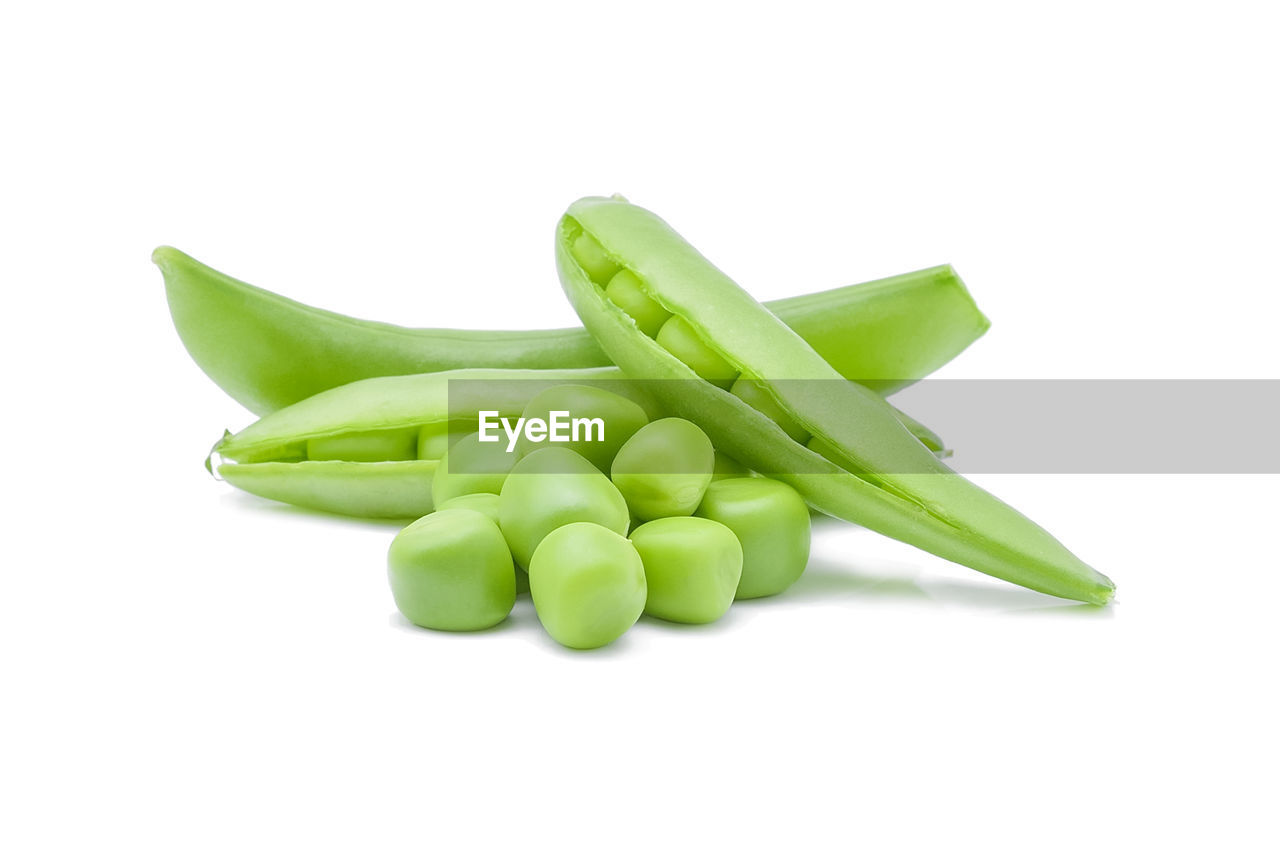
650,520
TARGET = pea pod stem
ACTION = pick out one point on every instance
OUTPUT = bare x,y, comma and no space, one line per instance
268,351
882,477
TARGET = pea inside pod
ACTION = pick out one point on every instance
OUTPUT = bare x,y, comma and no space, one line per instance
372,448
886,480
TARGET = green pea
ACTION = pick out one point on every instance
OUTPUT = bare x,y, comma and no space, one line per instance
772,523
753,394
627,292
727,467
480,501
433,440
607,420
471,466
664,469
451,570
692,567
552,487
588,585
375,446
595,261
679,338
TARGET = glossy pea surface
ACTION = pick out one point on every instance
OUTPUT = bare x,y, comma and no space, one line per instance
664,469
550,488
451,570
588,252
619,416
771,522
627,292
692,567
679,338
588,585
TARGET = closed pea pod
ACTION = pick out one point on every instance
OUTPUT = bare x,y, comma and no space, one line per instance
268,351
664,469
890,482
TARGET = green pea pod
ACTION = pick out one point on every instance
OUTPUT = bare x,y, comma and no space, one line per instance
267,351
276,456
888,482
350,449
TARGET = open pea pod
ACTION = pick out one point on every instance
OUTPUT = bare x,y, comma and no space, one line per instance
267,351
711,335
371,448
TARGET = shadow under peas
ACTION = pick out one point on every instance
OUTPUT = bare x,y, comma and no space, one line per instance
522,620
724,622
399,622
825,579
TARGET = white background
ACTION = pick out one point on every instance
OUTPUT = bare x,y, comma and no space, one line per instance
185,667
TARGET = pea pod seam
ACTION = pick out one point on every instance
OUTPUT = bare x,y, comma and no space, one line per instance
878,474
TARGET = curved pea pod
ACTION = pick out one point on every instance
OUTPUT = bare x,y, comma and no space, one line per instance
268,351
888,481
371,448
